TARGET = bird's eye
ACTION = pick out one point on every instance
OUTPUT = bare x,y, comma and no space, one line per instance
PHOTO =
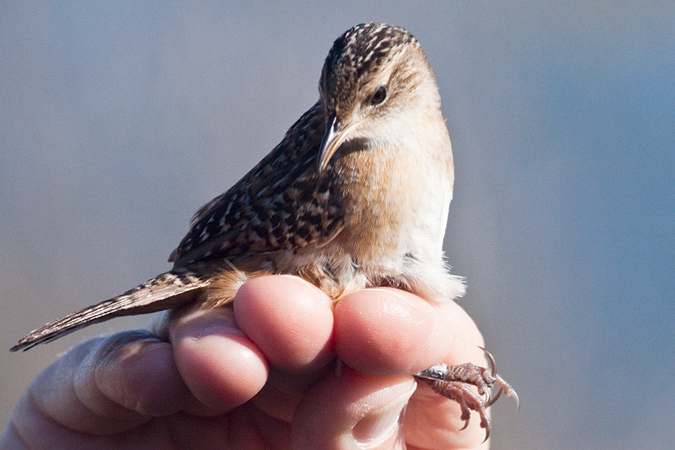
379,96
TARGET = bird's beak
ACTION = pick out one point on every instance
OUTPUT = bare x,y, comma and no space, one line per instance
333,138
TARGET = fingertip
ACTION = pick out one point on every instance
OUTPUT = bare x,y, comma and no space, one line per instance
138,371
221,367
289,319
387,331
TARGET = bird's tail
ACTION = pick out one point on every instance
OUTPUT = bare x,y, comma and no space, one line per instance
168,290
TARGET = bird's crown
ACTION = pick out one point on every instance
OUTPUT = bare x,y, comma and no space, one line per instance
355,55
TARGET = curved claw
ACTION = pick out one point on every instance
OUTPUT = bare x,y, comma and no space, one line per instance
491,401
491,361
516,399
487,434
488,398
485,423
466,423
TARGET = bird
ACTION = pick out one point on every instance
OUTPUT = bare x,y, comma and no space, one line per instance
356,195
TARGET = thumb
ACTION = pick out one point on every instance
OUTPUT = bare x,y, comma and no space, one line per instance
353,410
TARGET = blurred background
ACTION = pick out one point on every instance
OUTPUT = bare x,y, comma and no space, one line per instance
117,121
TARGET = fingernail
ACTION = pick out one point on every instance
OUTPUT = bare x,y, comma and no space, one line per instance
390,291
301,281
404,299
313,291
382,425
204,323
219,330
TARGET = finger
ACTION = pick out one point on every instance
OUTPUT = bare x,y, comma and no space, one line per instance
351,411
289,319
110,385
219,364
388,331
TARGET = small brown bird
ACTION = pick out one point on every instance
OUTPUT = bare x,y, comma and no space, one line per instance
356,195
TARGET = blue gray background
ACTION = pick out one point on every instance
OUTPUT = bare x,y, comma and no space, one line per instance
117,121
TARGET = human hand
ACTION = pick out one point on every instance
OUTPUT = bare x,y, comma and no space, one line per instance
261,376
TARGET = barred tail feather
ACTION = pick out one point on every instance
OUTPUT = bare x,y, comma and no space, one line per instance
164,291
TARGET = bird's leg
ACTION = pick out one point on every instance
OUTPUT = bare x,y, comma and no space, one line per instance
454,382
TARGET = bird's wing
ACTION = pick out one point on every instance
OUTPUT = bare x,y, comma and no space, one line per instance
281,204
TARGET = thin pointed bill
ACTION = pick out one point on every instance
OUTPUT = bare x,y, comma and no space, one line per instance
334,136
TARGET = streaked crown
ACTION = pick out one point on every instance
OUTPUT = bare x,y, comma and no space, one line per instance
357,55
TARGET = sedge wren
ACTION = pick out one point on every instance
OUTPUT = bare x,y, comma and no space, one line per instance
356,195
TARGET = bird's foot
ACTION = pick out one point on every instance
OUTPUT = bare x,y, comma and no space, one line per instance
454,382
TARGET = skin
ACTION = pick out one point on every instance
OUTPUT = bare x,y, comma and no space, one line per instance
259,377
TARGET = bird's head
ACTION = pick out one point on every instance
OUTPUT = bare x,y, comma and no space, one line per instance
373,74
